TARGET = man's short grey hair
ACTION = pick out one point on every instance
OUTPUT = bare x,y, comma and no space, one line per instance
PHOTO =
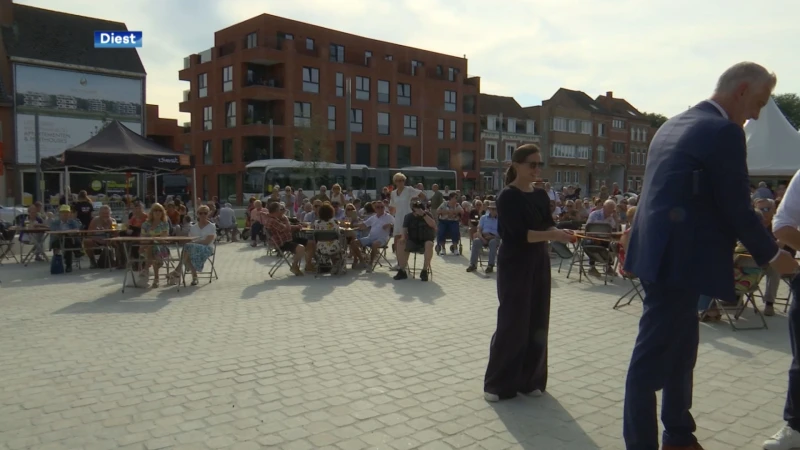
745,72
610,202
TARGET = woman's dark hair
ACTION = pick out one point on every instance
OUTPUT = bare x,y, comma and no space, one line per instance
519,156
325,212
369,208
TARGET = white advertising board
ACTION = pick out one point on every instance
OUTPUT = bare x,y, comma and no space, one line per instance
72,107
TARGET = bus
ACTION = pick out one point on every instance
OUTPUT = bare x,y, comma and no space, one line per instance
262,175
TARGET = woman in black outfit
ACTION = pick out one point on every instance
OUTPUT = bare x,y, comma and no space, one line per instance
518,353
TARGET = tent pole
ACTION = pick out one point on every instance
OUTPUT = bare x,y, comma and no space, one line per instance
155,187
194,191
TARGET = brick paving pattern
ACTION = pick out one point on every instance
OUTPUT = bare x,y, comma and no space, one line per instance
347,363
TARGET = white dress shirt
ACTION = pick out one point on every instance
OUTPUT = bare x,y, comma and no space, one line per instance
788,214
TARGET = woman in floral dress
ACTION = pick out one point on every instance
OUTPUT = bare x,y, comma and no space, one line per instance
325,222
156,225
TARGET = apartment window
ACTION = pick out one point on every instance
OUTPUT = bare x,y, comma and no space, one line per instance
383,155
331,117
230,114
414,65
601,154
618,147
468,160
634,134
450,101
202,85
488,182
562,151
634,156
443,158
409,125
302,114
451,74
468,132
558,176
576,178
362,88
586,127
356,120
252,40
403,94
339,152
440,129
367,57
511,125
403,156
208,157
559,124
309,44
573,126
601,129
490,153
453,129
530,127
339,84
618,124
383,123
227,151
383,91
337,53
582,152
311,79
491,123
227,79
469,104
207,118
363,153
509,151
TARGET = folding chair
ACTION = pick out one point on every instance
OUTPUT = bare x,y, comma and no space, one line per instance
563,252
599,253
381,256
485,248
7,246
211,273
413,267
633,293
335,263
747,277
283,256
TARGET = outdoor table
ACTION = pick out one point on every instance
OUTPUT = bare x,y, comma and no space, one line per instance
129,241
38,244
62,236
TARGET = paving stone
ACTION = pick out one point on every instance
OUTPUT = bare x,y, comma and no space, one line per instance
350,362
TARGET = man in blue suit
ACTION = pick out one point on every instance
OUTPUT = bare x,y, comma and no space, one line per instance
695,204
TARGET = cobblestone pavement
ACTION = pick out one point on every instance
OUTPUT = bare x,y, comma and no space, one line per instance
354,362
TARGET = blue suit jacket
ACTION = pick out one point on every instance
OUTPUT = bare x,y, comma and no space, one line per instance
695,204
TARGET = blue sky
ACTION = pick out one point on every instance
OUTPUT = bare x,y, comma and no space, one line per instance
661,55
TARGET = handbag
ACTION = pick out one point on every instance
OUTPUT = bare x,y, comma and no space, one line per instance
57,265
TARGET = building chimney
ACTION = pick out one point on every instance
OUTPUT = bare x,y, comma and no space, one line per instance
610,94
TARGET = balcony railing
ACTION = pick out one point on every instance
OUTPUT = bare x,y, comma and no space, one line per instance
268,82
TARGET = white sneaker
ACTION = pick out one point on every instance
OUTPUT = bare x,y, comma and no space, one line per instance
491,397
535,393
785,439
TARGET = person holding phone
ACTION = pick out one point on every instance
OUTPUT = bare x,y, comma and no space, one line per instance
419,231
518,352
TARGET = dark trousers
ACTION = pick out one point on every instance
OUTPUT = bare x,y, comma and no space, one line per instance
255,230
663,359
791,412
55,244
448,229
518,352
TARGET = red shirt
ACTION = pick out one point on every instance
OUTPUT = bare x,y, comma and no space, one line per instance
279,229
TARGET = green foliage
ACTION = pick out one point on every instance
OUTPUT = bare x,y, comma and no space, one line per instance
789,104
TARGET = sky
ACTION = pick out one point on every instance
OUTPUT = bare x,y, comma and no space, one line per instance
661,55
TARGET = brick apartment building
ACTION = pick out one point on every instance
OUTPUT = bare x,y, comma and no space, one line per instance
410,107
164,131
504,126
587,142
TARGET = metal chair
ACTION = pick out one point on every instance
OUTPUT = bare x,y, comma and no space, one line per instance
211,273
746,269
283,255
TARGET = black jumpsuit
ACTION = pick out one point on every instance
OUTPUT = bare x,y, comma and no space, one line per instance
518,353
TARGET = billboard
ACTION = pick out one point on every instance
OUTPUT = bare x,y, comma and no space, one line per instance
72,106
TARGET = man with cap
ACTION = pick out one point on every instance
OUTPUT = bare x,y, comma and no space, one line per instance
487,236
65,222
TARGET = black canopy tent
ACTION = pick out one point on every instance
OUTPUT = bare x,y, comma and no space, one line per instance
117,149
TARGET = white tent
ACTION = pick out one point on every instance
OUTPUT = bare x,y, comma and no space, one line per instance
773,145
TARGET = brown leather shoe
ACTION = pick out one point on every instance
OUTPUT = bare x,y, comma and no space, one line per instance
694,446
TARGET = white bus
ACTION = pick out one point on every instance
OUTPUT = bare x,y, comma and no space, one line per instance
262,175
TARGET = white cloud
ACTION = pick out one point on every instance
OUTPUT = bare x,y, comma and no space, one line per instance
661,55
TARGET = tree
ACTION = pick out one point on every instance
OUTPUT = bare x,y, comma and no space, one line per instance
312,145
656,120
789,104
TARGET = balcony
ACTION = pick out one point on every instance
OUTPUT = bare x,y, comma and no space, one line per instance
255,148
257,115
407,68
263,81
301,47
265,50
184,105
226,49
442,73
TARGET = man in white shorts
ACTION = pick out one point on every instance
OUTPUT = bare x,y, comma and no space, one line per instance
380,225
400,207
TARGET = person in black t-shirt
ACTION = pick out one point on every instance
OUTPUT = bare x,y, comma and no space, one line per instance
83,209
